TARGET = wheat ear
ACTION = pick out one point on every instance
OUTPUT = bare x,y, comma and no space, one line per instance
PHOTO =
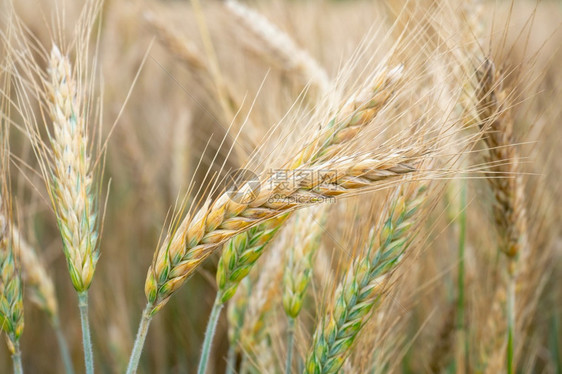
11,291
308,228
11,287
356,113
71,186
196,237
362,288
214,223
506,183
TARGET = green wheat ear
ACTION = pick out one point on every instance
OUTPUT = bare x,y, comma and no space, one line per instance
362,288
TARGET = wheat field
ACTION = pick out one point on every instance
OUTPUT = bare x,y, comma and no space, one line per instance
274,186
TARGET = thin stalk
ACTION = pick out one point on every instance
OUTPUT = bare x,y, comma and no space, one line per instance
510,321
244,364
139,341
290,343
461,275
63,346
231,359
210,334
86,337
16,357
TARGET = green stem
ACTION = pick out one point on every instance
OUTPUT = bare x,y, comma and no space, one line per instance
231,359
510,321
86,338
63,346
16,356
290,343
139,341
210,334
461,275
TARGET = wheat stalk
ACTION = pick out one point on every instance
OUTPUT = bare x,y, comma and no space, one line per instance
362,288
280,45
504,176
506,183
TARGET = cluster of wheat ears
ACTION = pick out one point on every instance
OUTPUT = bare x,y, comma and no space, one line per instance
366,187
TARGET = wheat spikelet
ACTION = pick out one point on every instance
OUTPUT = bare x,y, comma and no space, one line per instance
308,228
11,290
236,311
357,112
362,288
71,188
36,278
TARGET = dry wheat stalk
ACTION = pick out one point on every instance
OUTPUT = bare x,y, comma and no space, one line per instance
71,186
280,45
186,51
362,288
504,178
505,181
443,348
35,276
